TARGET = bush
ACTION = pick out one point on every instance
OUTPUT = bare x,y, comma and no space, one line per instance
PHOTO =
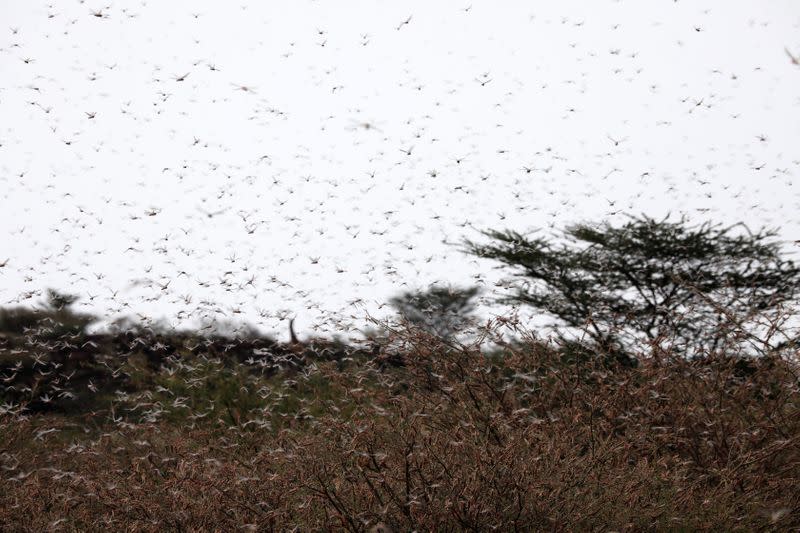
525,437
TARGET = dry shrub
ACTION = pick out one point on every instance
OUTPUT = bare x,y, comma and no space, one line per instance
456,439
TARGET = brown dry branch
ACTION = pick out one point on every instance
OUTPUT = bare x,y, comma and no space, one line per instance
520,434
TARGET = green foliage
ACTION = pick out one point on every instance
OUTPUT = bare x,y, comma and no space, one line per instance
650,280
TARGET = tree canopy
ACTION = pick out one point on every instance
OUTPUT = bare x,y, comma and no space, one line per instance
650,280
441,311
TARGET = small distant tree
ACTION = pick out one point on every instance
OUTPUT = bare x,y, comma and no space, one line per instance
440,311
58,307
650,280
53,318
59,301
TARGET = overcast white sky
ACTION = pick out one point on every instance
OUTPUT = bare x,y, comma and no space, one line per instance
183,160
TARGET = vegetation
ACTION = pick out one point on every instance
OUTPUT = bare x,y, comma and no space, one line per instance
654,282
440,311
141,429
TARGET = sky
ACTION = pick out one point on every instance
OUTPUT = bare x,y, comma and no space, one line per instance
188,162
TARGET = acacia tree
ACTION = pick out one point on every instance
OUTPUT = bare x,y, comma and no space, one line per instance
441,311
651,281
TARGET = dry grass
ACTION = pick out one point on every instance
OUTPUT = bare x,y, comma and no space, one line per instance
454,440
